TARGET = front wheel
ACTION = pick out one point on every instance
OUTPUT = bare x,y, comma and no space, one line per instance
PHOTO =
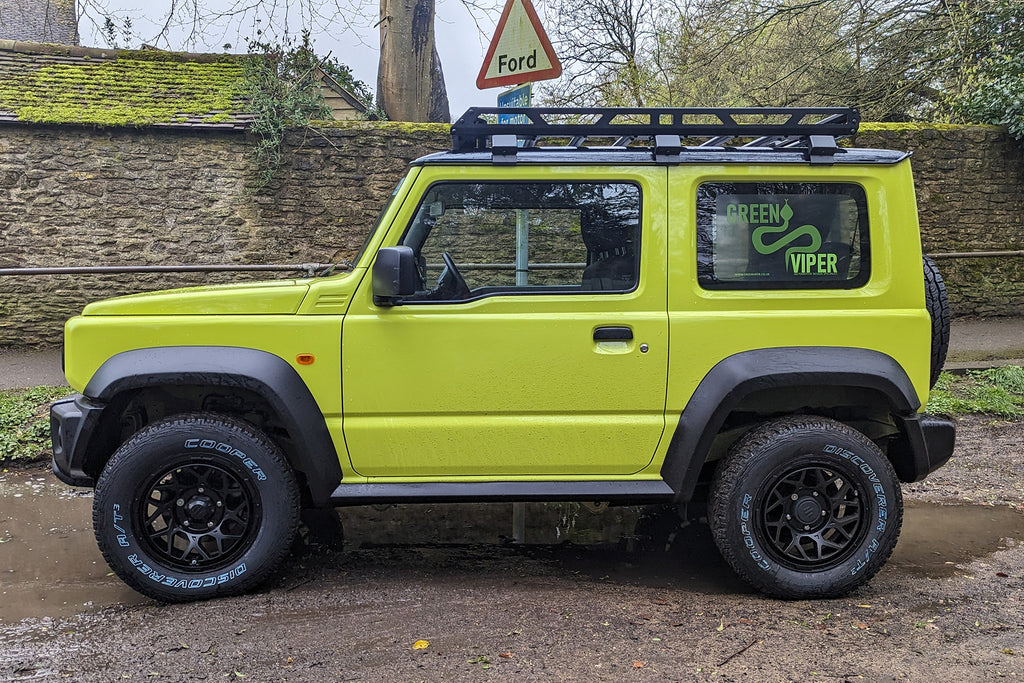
195,506
805,507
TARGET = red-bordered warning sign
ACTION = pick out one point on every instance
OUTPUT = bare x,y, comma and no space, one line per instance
520,51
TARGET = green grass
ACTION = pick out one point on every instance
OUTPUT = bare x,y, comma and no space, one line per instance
25,423
998,391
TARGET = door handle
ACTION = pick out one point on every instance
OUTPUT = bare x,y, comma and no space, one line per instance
613,334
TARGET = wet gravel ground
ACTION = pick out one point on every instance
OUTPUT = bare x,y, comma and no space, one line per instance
946,607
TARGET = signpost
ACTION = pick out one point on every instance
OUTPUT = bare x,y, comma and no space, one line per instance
519,54
520,51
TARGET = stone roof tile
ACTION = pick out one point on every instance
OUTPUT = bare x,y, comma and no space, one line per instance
44,83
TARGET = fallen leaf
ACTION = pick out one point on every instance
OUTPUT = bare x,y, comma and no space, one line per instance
1002,575
506,655
421,645
860,625
637,664
721,625
743,620
866,606
660,602
646,617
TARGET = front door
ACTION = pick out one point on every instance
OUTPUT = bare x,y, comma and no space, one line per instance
537,344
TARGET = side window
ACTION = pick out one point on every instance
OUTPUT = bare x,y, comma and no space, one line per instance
782,236
475,239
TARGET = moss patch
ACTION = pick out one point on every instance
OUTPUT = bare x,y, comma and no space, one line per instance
402,126
127,91
871,126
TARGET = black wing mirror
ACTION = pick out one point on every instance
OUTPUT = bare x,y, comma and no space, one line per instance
394,275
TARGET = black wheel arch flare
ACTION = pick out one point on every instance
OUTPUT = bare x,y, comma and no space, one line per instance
260,372
737,376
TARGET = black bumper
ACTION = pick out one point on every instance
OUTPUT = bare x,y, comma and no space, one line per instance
929,441
72,421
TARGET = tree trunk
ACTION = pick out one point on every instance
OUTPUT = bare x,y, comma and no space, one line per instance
410,84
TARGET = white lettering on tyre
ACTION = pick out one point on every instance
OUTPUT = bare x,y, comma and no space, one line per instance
227,449
179,582
122,535
879,491
748,537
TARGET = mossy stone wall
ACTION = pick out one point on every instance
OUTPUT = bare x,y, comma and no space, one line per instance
81,196
970,197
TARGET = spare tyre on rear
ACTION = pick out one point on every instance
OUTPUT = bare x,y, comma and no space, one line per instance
937,302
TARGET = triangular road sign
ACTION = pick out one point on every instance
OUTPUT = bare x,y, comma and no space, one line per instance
520,51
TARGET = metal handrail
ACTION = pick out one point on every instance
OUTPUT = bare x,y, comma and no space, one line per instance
976,254
310,268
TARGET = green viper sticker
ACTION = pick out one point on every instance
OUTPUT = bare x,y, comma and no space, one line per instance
785,241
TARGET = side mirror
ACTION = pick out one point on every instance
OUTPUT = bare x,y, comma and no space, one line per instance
394,275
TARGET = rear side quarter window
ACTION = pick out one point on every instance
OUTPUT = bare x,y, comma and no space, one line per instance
782,236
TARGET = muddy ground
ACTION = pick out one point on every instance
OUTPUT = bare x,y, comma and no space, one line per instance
947,606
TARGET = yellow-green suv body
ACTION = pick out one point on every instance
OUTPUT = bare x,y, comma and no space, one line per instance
624,323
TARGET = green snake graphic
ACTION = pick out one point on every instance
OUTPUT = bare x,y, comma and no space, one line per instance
786,213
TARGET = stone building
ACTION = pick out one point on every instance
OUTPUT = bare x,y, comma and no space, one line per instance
39,21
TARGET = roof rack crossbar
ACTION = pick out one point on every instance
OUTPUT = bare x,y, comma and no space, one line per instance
769,127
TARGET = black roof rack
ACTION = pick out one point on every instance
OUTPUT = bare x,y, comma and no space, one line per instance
662,130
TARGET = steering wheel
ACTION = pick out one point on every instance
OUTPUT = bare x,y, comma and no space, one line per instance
451,279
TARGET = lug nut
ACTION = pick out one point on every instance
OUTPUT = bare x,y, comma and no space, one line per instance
202,490
806,528
181,502
209,525
815,494
220,504
789,517
823,513
794,497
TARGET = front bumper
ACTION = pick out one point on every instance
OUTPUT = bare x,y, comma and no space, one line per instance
72,422
928,442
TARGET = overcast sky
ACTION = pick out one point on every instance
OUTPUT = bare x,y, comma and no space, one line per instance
352,39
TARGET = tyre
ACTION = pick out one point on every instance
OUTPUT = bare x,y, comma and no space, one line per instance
195,506
805,507
937,303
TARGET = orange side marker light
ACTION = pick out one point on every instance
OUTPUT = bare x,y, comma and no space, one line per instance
305,359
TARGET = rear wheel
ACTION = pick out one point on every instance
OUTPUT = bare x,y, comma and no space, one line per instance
805,507
195,506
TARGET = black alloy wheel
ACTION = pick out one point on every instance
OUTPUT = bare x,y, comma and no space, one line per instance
198,516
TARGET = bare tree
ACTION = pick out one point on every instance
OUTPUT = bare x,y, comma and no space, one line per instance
410,84
895,59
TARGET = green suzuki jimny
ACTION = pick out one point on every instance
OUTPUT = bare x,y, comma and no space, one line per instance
635,306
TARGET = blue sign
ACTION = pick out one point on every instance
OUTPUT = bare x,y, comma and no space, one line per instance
521,96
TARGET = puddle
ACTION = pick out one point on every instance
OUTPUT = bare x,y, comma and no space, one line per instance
49,562
50,565
936,538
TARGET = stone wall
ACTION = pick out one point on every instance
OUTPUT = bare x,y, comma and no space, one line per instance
77,196
970,197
